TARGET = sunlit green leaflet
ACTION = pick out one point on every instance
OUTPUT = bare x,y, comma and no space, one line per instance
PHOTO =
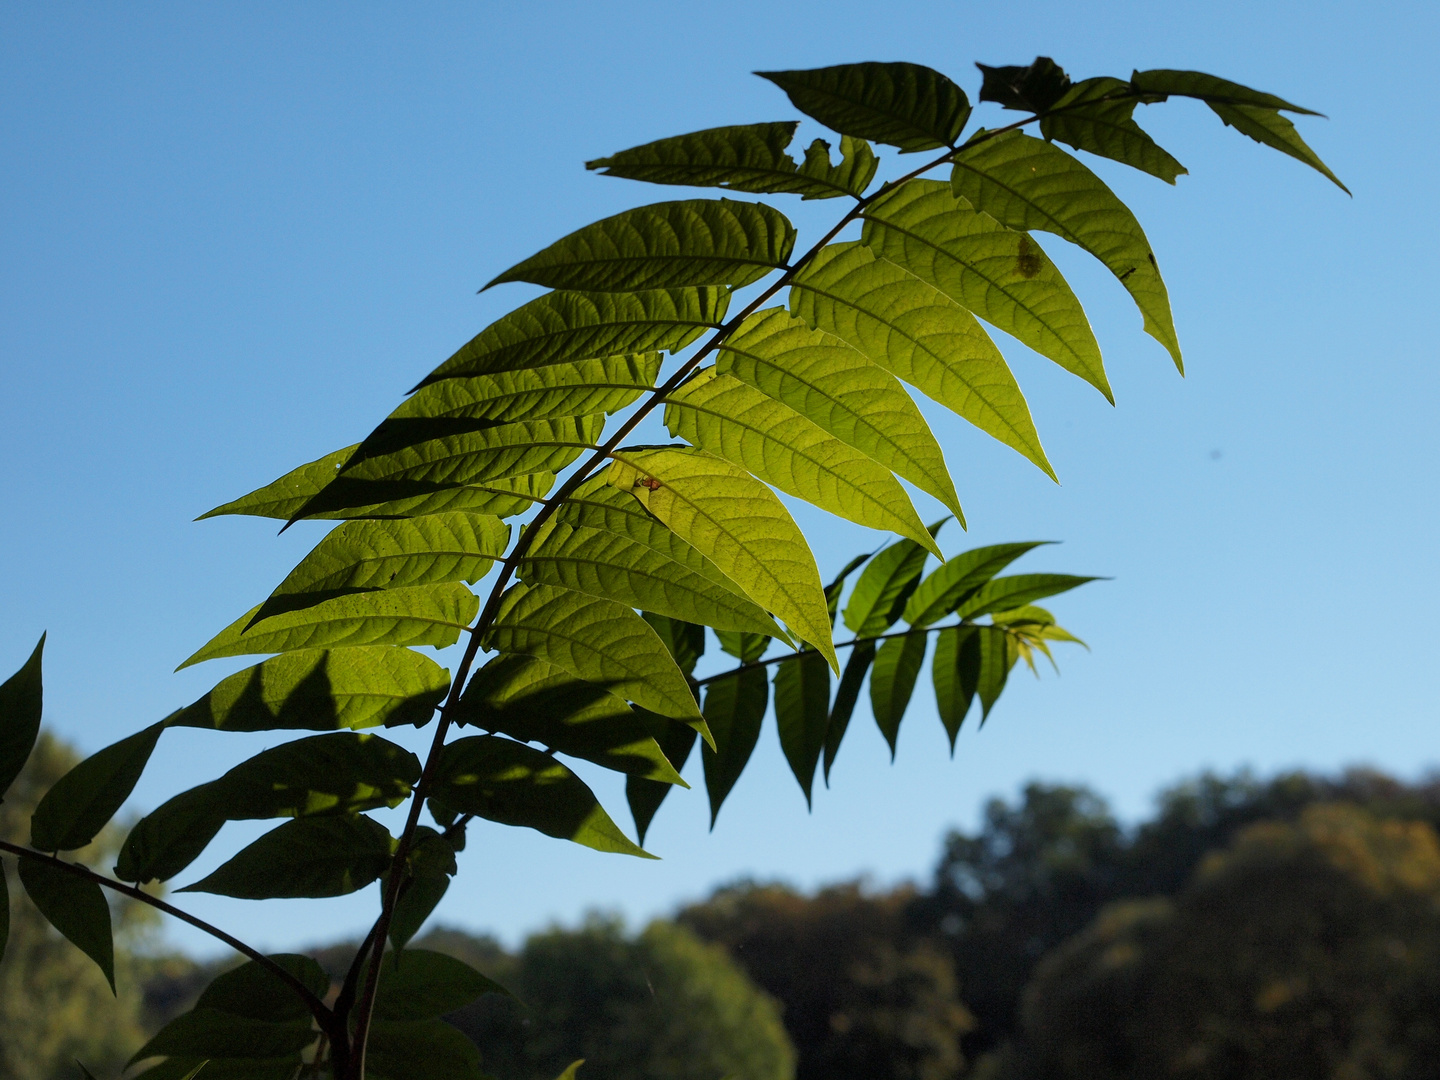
1098,115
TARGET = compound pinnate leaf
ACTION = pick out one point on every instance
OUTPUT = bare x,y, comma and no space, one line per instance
323,690
307,857
665,245
282,498
367,556
892,682
839,389
734,708
916,332
802,710
596,640
1097,115
473,457
419,984
421,1050
899,104
739,524
562,327
884,587
941,592
1003,593
531,701
21,703
733,420
83,801
1027,183
998,273
862,655
506,781
744,157
75,906
422,615
618,566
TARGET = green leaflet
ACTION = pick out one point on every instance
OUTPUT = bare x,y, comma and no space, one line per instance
773,442
562,327
324,774
884,587
739,524
1268,127
283,497
473,457
837,586
746,157
416,902
846,695
571,1071
1000,274
622,567
734,709
684,640
670,245
606,384
645,796
595,640
367,556
214,1033
905,105
531,701
83,801
892,681
307,857
1098,115
1016,590
1027,183
941,592
421,1050
837,388
955,672
75,906
253,991
514,784
323,690
421,984
802,710
746,648
1033,88
423,615
21,703
915,331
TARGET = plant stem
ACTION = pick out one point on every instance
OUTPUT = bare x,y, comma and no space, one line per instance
914,630
322,1015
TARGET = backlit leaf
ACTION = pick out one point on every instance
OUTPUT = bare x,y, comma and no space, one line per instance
862,655
955,671
1098,115
802,710
733,420
739,524
1027,183
1269,128
734,708
941,592
21,702
562,327
418,899
323,690
596,640
852,176
421,1050
998,273
892,682
669,245
75,906
837,585
83,801
506,781
645,796
839,389
1001,593
1208,88
884,588
307,857
531,701
213,1033
905,105
685,640
424,615
420,984
744,647
254,991
1033,88
367,556
918,333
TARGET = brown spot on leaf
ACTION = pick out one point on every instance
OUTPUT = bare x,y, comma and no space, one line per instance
1027,259
649,483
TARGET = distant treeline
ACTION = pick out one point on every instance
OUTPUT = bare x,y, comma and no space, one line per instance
1251,929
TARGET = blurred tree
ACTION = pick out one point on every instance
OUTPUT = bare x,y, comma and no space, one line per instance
1308,949
863,997
662,1005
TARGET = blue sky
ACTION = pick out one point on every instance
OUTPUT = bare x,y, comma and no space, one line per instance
233,235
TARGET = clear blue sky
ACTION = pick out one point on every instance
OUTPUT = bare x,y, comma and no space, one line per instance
234,234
